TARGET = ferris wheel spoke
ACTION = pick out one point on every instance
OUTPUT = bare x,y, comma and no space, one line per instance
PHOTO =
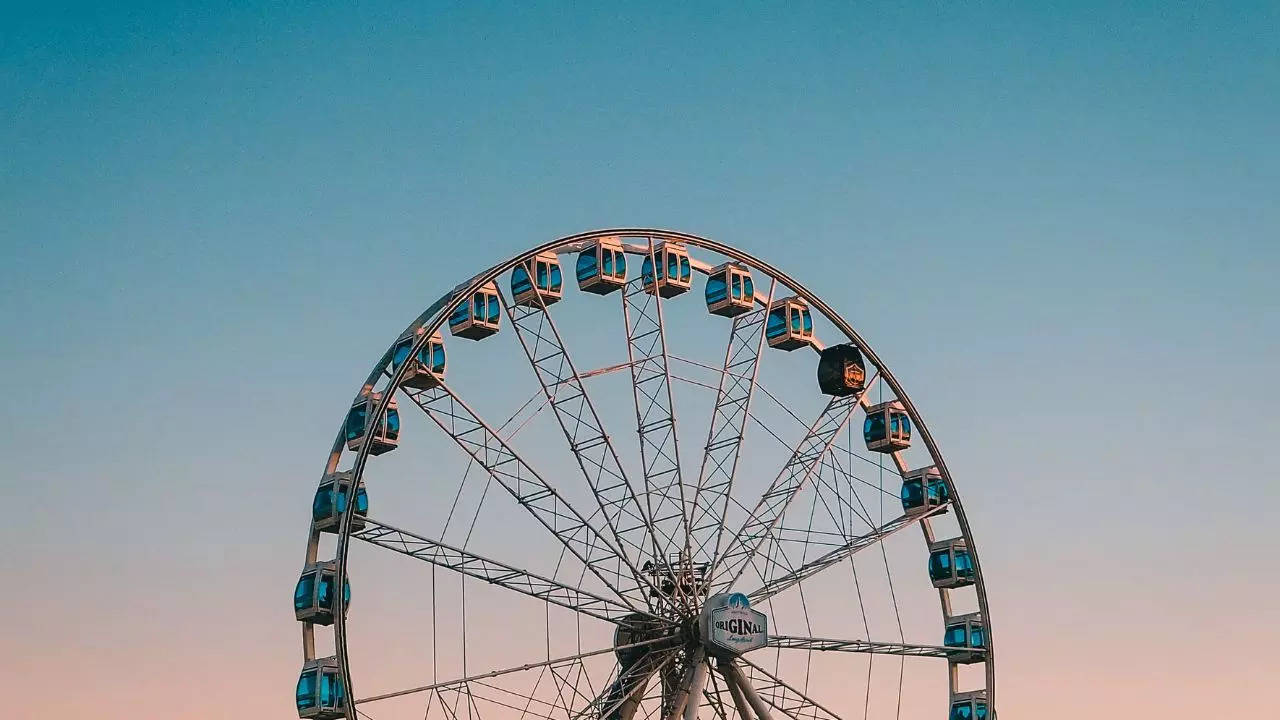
576,414
776,585
530,490
781,696
841,473
793,642
491,571
727,430
804,461
657,645
656,423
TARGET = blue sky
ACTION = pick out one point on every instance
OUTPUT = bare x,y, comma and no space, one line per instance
1057,222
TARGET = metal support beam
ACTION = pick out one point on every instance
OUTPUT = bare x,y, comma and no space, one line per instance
712,693
479,440
773,504
813,567
655,418
858,646
696,686
597,458
685,689
626,692
733,675
739,700
459,682
727,430
491,571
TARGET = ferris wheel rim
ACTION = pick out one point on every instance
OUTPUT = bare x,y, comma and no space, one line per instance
436,315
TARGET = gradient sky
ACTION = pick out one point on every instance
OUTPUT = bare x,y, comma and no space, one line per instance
1058,223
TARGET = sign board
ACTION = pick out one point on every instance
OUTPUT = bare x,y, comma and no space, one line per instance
730,626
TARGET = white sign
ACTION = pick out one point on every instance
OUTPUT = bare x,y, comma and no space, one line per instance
731,627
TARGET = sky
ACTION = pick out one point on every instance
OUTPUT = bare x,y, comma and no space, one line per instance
1056,222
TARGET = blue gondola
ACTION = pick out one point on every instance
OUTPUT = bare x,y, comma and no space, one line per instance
675,274
887,428
537,281
319,693
966,639
313,596
331,501
950,565
427,369
970,705
602,267
730,290
790,324
923,490
478,316
386,432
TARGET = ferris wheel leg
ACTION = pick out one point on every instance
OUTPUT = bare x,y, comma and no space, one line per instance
681,699
695,689
741,690
739,701
627,710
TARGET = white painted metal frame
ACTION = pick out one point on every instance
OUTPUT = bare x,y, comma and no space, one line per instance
597,550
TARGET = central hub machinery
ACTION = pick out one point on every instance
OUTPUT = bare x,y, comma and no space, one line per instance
728,626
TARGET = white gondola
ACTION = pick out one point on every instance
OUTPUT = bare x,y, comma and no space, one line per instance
950,565
386,432
320,695
477,316
426,370
314,596
887,428
923,490
537,281
331,502
730,290
674,276
602,267
790,324
966,639
971,705
841,371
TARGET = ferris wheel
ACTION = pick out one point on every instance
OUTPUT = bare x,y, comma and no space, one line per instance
533,531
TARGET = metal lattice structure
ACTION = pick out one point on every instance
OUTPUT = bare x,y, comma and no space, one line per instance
569,573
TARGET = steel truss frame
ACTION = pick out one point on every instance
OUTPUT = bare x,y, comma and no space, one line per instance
657,651
776,585
530,490
603,552
597,459
773,504
727,430
656,422
792,642
492,571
